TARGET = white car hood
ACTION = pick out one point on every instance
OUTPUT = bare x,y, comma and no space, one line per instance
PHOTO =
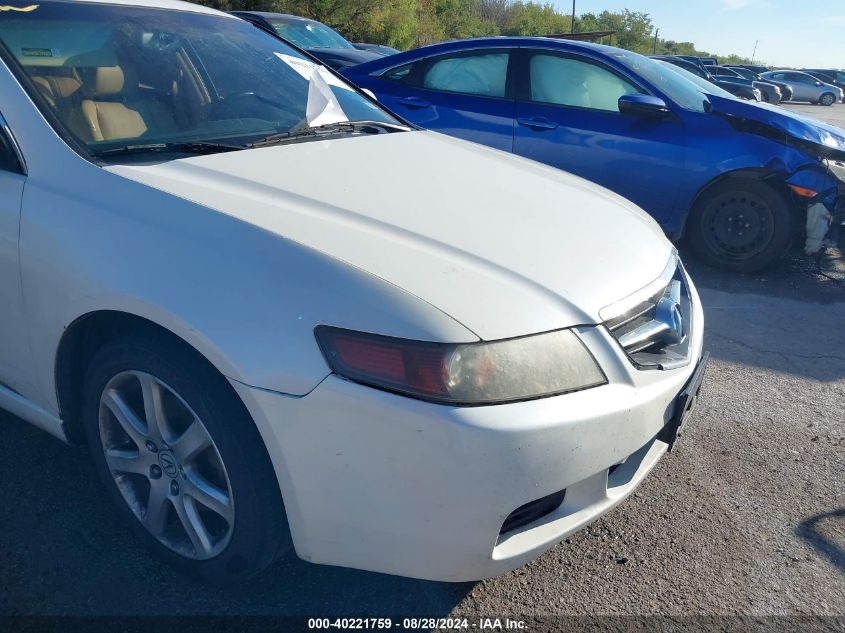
503,245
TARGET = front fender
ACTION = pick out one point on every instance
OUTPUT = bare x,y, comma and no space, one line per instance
725,147
246,299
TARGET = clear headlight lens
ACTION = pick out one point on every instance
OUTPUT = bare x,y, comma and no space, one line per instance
463,374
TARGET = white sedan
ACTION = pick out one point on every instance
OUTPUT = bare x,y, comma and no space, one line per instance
278,314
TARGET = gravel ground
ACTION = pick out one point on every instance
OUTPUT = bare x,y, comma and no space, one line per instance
746,517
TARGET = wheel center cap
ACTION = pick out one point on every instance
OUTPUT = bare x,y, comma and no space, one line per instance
168,464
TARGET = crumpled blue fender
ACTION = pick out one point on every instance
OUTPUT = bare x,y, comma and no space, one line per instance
817,177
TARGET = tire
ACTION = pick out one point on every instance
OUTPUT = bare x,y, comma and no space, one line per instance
740,225
764,97
221,515
827,99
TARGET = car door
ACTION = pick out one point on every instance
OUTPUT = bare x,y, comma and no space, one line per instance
805,86
465,94
782,78
567,116
14,348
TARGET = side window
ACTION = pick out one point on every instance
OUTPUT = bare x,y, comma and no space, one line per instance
483,74
576,83
401,74
8,156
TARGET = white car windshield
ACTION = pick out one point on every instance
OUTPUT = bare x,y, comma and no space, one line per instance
111,75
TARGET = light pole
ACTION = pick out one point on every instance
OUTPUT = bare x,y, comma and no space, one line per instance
654,48
754,54
572,26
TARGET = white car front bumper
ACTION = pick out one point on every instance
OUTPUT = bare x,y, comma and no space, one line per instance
378,481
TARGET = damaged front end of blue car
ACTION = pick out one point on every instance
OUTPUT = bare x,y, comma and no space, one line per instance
811,165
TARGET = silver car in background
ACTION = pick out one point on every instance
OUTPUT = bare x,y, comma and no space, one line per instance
806,87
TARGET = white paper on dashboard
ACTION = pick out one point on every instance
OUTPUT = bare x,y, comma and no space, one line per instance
305,67
323,107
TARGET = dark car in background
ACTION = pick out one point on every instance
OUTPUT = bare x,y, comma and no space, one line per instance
693,65
769,93
381,49
755,69
736,178
747,73
322,41
834,77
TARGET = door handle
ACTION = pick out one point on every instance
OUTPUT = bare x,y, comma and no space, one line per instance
538,123
413,102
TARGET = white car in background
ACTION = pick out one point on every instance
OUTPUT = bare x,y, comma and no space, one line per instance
275,312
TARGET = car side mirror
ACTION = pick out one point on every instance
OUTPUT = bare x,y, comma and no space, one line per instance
643,106
818,83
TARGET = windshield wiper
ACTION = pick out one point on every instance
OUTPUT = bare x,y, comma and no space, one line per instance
187,147
342,127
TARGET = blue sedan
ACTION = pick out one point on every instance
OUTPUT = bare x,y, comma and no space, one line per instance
736,178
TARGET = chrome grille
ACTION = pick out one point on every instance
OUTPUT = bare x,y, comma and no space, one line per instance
655,332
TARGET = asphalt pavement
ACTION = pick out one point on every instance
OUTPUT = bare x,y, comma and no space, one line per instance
834,114
745,517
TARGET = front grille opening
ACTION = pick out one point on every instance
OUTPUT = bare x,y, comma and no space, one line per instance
530,512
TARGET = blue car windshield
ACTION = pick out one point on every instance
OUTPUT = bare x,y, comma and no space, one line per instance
686,90
707,87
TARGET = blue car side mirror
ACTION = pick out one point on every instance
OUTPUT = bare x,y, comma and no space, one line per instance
643,105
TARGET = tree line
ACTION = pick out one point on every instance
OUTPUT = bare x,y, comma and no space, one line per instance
406,24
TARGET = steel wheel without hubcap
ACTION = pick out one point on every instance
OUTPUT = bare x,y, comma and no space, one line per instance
738,224
166,466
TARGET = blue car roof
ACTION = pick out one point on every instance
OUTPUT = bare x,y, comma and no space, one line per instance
470,44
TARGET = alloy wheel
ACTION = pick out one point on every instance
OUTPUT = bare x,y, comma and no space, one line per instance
166,466
828,100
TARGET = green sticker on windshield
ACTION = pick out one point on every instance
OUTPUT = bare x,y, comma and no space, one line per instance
39,52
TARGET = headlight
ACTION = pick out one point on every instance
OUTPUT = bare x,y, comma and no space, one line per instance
463,374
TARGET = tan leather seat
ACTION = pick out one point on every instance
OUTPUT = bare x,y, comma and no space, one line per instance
106,115
57,90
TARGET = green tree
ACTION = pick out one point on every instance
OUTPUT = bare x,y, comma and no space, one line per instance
633,30
533,18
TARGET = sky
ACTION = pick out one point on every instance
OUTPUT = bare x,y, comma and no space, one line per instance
805,33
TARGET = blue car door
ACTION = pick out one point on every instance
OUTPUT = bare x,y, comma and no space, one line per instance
464,94
567,116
